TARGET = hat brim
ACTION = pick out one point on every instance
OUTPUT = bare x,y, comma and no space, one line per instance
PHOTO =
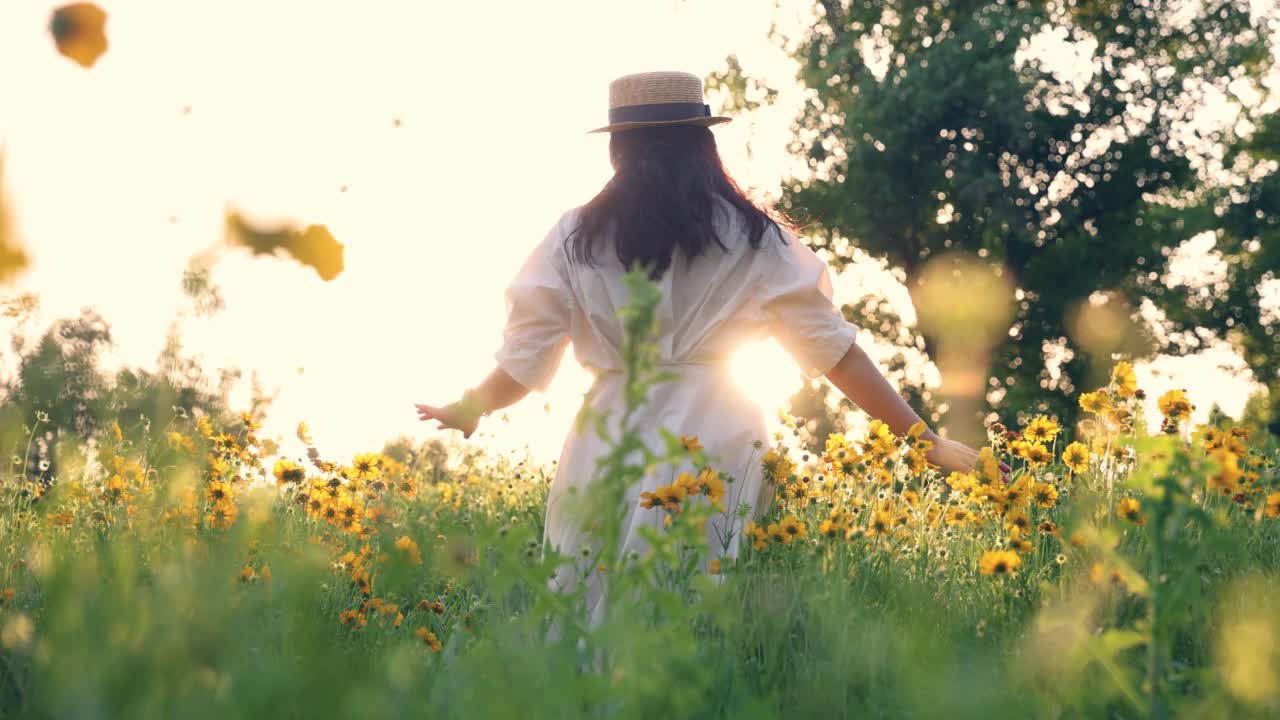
704,121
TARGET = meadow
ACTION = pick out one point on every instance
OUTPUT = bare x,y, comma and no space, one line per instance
161,558
169,564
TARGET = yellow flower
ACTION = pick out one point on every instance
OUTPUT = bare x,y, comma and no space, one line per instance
407,487
880,442
1076,457
712,485
1019,491
428,638
366,466
1130,509
1175,405
916,440
219,491
1227,478
1044,494
776,534
304,434
666,497
792,527
917,463
960,516
777,466
831,528
406,545
1211,436
1019,522
689,484
1273,505
759,536
288,472
180,442
1038,455
1124,379
1018,544
999,562
881,523
961,482
989,465
1095,402
690,443
1041,430
222,515
713,567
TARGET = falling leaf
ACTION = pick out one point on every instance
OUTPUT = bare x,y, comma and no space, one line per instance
80,31
304,433
13,259
315,246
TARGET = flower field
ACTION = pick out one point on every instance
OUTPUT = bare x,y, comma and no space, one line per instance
184,570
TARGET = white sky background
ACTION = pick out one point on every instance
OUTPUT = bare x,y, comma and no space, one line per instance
115,186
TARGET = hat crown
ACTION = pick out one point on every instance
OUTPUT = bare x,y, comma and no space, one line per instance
650,88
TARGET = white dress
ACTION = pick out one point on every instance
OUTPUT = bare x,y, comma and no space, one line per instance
709,306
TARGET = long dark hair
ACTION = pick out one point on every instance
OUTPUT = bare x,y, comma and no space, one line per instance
662,197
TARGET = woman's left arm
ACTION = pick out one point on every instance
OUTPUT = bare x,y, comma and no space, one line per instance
497,391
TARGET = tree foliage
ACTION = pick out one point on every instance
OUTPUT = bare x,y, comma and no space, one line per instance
938,125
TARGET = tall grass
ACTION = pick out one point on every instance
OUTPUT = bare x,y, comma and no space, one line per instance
181,571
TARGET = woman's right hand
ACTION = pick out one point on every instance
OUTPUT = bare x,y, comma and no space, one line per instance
454,416
953,456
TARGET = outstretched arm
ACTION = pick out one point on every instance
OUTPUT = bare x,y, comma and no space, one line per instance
861,381
497,391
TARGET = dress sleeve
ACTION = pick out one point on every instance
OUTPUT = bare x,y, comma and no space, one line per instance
538,312
796,289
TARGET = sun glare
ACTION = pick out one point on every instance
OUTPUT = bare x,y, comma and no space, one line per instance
764,372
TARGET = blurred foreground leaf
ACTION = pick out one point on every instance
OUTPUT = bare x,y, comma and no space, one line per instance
315,246
80,31
12,258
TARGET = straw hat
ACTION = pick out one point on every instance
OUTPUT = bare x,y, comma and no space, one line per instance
657,98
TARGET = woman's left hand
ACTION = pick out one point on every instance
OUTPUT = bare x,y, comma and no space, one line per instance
453,416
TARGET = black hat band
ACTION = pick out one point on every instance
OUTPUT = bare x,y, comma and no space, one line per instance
658,112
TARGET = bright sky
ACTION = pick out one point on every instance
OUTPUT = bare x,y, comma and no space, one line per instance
438,142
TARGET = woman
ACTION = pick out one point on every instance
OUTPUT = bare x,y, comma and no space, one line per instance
728,272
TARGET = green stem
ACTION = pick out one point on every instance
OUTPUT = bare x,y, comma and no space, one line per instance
1154,648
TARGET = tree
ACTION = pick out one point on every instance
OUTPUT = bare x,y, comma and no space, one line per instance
59,392
1246,223
935,126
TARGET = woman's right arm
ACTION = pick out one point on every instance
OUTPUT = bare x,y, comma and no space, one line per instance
498,390
862,382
